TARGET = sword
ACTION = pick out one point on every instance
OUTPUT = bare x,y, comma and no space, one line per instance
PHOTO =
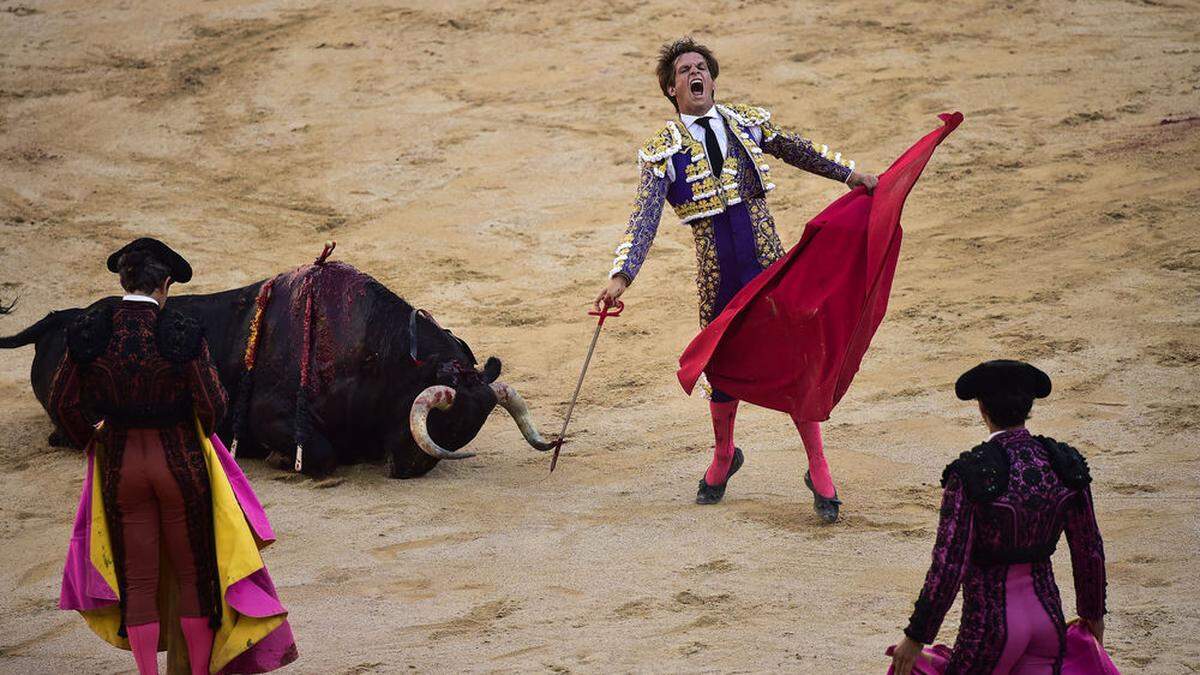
603,314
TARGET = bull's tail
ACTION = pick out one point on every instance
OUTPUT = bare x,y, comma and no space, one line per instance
52,321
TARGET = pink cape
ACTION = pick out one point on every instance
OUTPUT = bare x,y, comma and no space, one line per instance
84,588
793,338
1084,656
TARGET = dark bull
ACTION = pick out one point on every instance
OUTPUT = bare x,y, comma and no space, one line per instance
337,365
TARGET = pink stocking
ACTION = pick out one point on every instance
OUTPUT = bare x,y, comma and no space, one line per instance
818,469
199,638
723,414
143,640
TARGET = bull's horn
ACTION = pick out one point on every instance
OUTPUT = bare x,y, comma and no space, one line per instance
510,400
438,397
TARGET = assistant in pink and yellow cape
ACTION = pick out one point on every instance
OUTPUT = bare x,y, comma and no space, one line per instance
254,635
138,390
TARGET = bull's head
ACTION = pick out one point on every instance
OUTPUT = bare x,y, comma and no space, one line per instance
456,407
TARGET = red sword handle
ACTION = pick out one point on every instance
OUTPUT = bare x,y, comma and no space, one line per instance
605,313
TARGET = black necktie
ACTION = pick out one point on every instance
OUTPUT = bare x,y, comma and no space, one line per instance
713,147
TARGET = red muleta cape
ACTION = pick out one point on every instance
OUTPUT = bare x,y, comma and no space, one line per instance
793,338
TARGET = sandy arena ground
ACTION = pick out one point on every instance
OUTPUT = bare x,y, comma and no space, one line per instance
478,158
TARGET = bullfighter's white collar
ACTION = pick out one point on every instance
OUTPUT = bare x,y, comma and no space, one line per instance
689,120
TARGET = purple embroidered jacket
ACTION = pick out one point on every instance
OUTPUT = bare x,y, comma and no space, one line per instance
1007,502
675,170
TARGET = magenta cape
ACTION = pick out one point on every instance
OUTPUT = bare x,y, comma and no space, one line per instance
793,338
1084,656
255,637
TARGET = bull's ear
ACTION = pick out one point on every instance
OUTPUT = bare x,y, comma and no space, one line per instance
491,370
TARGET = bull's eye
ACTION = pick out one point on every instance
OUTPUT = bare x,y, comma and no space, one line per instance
456,374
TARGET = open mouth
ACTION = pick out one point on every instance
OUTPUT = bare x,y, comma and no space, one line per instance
697,87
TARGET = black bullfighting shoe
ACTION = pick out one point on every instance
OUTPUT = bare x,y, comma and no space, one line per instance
826,507
711,494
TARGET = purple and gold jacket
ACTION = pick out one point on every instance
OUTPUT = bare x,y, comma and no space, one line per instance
676,170
1007,502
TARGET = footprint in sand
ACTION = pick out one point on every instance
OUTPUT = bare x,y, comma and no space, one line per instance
479,619
718,566
335,576
1085,118
636,609
690,599
409,589
1174,417
40,572
51,633
1175,354
1133,488
889,527
1034,346
391,551
1187,261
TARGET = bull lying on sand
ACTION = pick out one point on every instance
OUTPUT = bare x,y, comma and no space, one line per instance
326,366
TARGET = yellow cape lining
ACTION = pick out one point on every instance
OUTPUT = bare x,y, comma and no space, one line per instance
237,558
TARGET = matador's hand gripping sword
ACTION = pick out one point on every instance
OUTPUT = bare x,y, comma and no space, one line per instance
603,314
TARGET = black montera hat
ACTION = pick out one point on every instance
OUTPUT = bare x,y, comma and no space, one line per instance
181,271
1002,376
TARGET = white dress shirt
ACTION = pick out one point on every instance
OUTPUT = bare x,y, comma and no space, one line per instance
1002,431
690,122
136,297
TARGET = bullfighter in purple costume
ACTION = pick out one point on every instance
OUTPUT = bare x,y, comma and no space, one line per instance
710,166
1005,504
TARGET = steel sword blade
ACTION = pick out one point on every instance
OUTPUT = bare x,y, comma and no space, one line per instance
579,383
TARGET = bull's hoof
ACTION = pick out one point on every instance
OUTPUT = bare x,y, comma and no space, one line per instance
826,507
57,439
711,494
278,460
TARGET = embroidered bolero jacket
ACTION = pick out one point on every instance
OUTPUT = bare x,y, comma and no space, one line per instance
674,168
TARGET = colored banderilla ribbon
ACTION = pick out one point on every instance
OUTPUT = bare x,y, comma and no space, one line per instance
603,314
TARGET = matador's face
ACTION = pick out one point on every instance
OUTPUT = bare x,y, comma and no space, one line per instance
694,87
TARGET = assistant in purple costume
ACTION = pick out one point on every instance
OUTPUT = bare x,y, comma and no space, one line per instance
1005,505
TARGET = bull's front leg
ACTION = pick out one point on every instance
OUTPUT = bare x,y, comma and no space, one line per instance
404,458
58,439
315,457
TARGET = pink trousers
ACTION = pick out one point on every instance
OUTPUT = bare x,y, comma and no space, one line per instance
1032,644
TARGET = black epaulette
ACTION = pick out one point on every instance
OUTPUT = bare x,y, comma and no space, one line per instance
89,334
178,336
983,471
1068,463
